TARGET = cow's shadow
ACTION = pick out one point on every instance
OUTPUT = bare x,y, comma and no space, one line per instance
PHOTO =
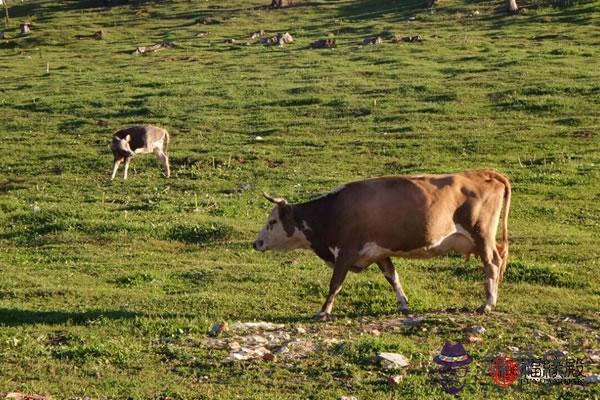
18,317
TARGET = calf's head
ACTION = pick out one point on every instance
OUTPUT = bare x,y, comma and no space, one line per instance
280,232
122,146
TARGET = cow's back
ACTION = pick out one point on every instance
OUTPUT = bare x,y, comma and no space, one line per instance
405,212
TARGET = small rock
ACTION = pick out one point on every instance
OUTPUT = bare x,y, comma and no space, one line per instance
543,335
373,40
324,44
258,34
474,339
395,380
247,353
267,326
592,379
230,41
25,28
208,21
412,18
331,341
594,357
375,332
413,321
234,346
284,38
258,138
201,34
512,349
255,340
476,12
392,360
58,339
36,208
300,330
476,329
219,328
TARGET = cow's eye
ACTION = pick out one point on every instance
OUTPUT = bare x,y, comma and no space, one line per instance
272,222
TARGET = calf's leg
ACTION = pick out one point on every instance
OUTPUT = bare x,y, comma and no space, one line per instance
116,164
164,160
387,267
126,167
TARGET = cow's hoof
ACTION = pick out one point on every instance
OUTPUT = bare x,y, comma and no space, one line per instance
321,316
403,310
484,309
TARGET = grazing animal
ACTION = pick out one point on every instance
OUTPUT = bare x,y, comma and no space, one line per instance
370,221
141,139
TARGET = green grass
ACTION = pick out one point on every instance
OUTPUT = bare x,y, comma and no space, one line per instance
108,289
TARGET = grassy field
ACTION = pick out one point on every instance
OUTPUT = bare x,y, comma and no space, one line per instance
108,290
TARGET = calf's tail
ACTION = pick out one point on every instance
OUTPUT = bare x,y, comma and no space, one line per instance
503,249
167,140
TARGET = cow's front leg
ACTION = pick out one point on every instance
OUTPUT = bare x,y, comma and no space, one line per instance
126,167
387,267
335,285
115,168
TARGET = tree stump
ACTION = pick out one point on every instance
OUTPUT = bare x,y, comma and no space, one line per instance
25,28
281,3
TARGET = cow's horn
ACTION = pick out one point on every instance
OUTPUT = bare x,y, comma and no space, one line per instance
277,200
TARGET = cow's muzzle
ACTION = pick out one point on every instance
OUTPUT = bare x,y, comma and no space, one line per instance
258,245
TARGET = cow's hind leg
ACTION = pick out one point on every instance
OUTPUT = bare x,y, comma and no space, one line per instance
491,266
387,267
164,160
340,271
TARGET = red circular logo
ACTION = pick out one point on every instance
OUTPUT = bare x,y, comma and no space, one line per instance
504,371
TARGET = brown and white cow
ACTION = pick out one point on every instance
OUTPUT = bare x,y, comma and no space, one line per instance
370,221
141,139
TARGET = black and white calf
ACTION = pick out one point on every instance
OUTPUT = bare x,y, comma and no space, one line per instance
141,139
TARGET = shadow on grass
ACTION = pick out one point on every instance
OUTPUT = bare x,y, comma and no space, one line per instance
17,317
394,10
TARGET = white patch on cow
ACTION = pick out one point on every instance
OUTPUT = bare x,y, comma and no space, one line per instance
373,251
274,237
150,148
305,226
457,239
335,251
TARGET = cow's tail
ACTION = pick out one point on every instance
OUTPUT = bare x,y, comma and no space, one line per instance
503,248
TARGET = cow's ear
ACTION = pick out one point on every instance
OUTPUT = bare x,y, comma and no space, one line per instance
280,201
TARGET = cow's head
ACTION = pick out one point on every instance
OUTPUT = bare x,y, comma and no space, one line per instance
280,232
122,145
